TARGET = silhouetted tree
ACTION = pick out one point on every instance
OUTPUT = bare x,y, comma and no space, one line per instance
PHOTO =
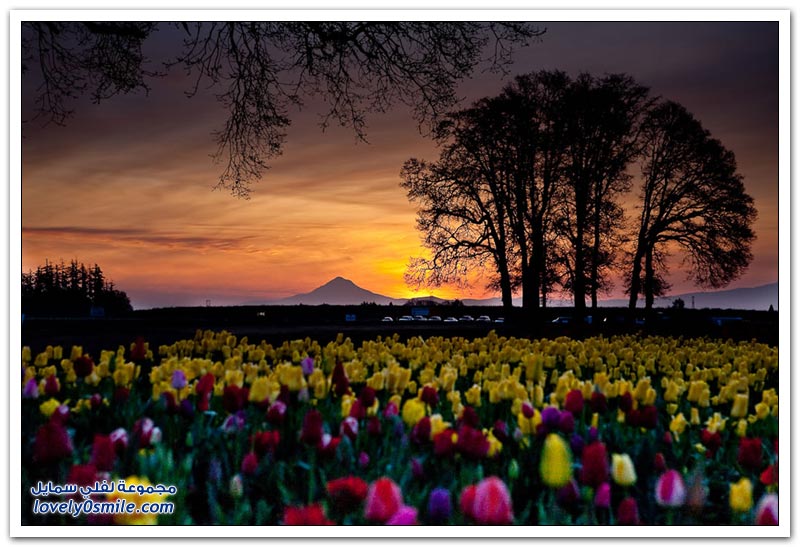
603,115
463,213
260,70
535,160
693,200
540,166
70,290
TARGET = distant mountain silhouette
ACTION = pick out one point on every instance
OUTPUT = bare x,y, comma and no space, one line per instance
426,301
751,298
341,291
338,291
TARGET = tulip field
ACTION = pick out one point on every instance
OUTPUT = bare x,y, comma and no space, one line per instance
218,429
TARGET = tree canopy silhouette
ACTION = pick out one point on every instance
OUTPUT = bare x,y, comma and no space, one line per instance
259,71
528,188
58,289
693,200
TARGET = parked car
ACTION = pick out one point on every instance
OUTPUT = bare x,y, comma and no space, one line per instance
387,320
466,319
434,318
499,320
451,320
406,318
562,320
420,318
484,319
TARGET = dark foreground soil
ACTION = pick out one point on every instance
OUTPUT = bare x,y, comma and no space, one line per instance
324,323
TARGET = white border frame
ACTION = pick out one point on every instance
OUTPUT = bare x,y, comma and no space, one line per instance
14,233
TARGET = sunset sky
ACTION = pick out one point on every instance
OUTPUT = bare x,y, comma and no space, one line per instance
127,183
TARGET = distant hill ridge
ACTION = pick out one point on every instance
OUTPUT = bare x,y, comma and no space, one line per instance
342,291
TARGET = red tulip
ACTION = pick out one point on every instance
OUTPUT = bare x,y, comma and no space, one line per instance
103,453
52,386
470,417
472,443
467,501
574,402
443,445
770,475
81,475
266,441
374,426
660,463
250,464
430,396
52,443
594,461
138,352
421,433
628,512
311,433
310,515
384,499
750,454
367,396
341,384
83,366
347,493
626,402
234,398
357,410
712,441
598,402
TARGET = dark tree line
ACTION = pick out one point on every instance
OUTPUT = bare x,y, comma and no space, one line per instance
70,290
529,189
261,71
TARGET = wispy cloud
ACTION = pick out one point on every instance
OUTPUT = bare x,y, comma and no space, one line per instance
131,236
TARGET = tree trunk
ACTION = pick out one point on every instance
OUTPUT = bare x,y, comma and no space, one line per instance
649,280
636,274
505,284
579,283
595,270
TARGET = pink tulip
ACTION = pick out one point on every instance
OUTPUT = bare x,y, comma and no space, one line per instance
670,489
767,510
492,503
602,498
405,516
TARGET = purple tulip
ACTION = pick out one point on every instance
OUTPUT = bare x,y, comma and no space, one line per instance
551,417
178,379
439,505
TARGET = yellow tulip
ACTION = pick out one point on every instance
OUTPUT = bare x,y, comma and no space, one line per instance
622,470
48,407
678,425
739,406
741,495
413,411
555,467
